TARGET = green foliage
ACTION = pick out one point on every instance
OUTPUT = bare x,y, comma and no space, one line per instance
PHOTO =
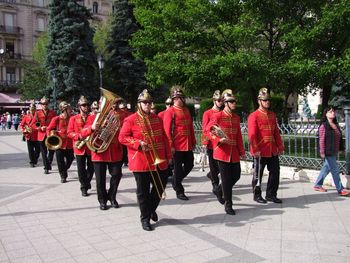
159,107
101,36
125,73
277,106
71,58
35,79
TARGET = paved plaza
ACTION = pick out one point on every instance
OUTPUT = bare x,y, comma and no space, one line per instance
42,220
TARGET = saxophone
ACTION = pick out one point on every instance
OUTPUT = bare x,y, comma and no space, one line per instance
109,123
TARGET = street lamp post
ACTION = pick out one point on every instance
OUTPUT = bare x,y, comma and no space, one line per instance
101,64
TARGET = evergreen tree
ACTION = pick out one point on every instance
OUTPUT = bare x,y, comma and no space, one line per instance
126,74
71,59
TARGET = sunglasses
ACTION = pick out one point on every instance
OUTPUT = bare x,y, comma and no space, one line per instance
232,101
44,103
146,102
84,105
266,100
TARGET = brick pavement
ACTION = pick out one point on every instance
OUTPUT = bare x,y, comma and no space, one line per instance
42,220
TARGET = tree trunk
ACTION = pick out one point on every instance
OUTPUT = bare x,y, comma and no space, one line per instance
326,94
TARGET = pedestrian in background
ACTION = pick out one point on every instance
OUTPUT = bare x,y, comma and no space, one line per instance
330,142
9,120
3,122
16,121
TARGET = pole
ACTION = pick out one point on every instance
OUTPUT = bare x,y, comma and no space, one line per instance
100,77
347,138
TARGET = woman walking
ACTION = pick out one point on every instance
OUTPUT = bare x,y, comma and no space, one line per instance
331,142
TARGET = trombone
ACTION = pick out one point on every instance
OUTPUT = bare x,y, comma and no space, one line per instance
154,155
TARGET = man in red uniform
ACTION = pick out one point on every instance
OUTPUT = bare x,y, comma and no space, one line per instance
81,151
43,118
179,130
213,174
168,103
124,109
30,133
228,147
144,135
265,145
111,158
64,155
94,108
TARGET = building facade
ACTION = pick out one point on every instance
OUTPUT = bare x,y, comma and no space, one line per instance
21,23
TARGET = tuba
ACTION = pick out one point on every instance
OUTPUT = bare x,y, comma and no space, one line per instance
53,141
109,123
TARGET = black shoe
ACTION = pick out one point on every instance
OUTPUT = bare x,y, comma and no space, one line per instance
103,207
84,193
63,180
154,216
218,194
260,200
182,197
228,208
89,186
114,204
50,167
146,225
273,199
32,165
46,171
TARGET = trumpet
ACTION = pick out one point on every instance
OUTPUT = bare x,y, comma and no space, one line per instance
80,143
37,124
27,129
53,141
217,130
154,155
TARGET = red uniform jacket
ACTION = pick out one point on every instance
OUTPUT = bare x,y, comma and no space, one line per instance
114,152
75,125
161,114
134,131
207,116
178,128
230,124
263,133
29,121
60,124
44,118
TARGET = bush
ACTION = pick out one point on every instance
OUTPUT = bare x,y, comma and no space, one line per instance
277,106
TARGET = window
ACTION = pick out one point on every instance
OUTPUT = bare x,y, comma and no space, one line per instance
9,22
41,24
95,8
10,75
10,48
40,2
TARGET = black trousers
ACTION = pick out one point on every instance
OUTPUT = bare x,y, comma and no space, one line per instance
85,171
46,155
273,166
230,174
115,170
147,197
214,168
183,164
125,155
33,151
64,158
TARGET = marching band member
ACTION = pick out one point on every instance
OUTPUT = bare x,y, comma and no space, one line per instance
168,103
43,118
94,108
30,133
265,145
81,151
64,154
144,135
111,158
213,174
228,146
179,130
124,109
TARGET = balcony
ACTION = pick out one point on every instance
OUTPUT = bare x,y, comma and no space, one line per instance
9,85
16,30
8,1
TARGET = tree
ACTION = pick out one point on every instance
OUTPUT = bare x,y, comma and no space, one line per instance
125,73
206,45
71,58
35,79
